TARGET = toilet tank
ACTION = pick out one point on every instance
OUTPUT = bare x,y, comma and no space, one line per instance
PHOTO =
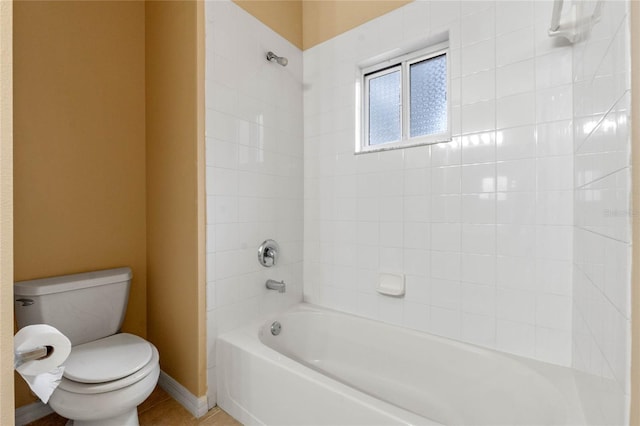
84,307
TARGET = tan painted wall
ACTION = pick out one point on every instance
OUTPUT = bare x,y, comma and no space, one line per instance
79,164
326,19
306,23
175,182
635,169
282,16
6,215
202,213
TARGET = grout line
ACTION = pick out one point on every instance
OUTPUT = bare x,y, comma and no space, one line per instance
602,235
584,186
604,295
613,38
495,193
597,126
619,381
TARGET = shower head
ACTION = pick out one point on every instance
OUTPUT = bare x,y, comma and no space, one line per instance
272,57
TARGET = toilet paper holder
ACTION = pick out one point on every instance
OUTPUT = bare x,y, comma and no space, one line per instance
39,352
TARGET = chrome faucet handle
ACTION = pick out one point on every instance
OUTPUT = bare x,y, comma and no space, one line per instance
268,253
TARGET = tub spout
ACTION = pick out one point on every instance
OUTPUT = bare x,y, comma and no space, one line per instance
276,285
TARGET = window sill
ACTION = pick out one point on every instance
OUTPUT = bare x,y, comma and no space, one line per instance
404,144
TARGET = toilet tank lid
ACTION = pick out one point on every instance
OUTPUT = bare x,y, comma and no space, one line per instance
64,283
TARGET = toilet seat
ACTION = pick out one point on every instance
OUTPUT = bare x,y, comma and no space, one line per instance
107,359
104,359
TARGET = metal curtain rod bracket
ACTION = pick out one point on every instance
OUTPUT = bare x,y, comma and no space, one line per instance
574,25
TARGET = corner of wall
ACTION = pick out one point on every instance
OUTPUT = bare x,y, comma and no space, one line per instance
201,181
283,17
6,214
323,20
175,214
635,196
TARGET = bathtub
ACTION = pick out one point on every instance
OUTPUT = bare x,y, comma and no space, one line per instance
331,368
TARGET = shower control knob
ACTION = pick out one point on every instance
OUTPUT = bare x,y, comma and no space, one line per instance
268,253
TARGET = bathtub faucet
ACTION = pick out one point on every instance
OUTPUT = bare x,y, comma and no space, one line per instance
276,285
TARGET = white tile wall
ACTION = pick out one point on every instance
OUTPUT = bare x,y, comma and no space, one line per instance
514,235
601,283
254,170
482,227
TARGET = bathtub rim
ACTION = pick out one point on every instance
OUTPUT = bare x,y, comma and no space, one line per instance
561,378
246,338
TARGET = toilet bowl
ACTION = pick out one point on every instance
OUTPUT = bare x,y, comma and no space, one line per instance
106,380
108,374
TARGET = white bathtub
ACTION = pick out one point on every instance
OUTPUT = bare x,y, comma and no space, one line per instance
331,368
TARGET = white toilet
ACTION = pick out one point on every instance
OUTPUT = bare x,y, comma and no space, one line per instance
108,374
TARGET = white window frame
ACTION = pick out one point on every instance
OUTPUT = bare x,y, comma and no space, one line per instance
375,74
404,63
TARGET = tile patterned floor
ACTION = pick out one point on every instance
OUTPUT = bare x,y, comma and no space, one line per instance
160,410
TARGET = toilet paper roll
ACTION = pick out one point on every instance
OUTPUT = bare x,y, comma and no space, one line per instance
31,337
42,375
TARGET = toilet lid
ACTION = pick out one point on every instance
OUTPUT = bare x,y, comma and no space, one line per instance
107,359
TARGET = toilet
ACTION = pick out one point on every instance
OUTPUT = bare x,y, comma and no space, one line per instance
108,373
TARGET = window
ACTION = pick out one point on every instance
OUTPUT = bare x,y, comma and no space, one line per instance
405,101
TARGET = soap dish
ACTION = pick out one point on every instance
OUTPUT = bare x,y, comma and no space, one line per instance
391,284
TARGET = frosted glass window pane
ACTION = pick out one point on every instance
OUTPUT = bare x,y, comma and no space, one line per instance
385,108
428,96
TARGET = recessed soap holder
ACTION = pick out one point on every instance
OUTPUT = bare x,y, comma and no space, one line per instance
268,253
391,285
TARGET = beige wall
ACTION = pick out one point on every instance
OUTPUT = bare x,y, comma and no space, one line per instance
306,23
326,19
6,215
82,90
635,159
79,163
175,212
282,16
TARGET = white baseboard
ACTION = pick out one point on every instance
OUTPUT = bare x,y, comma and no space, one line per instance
197,406
32,412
